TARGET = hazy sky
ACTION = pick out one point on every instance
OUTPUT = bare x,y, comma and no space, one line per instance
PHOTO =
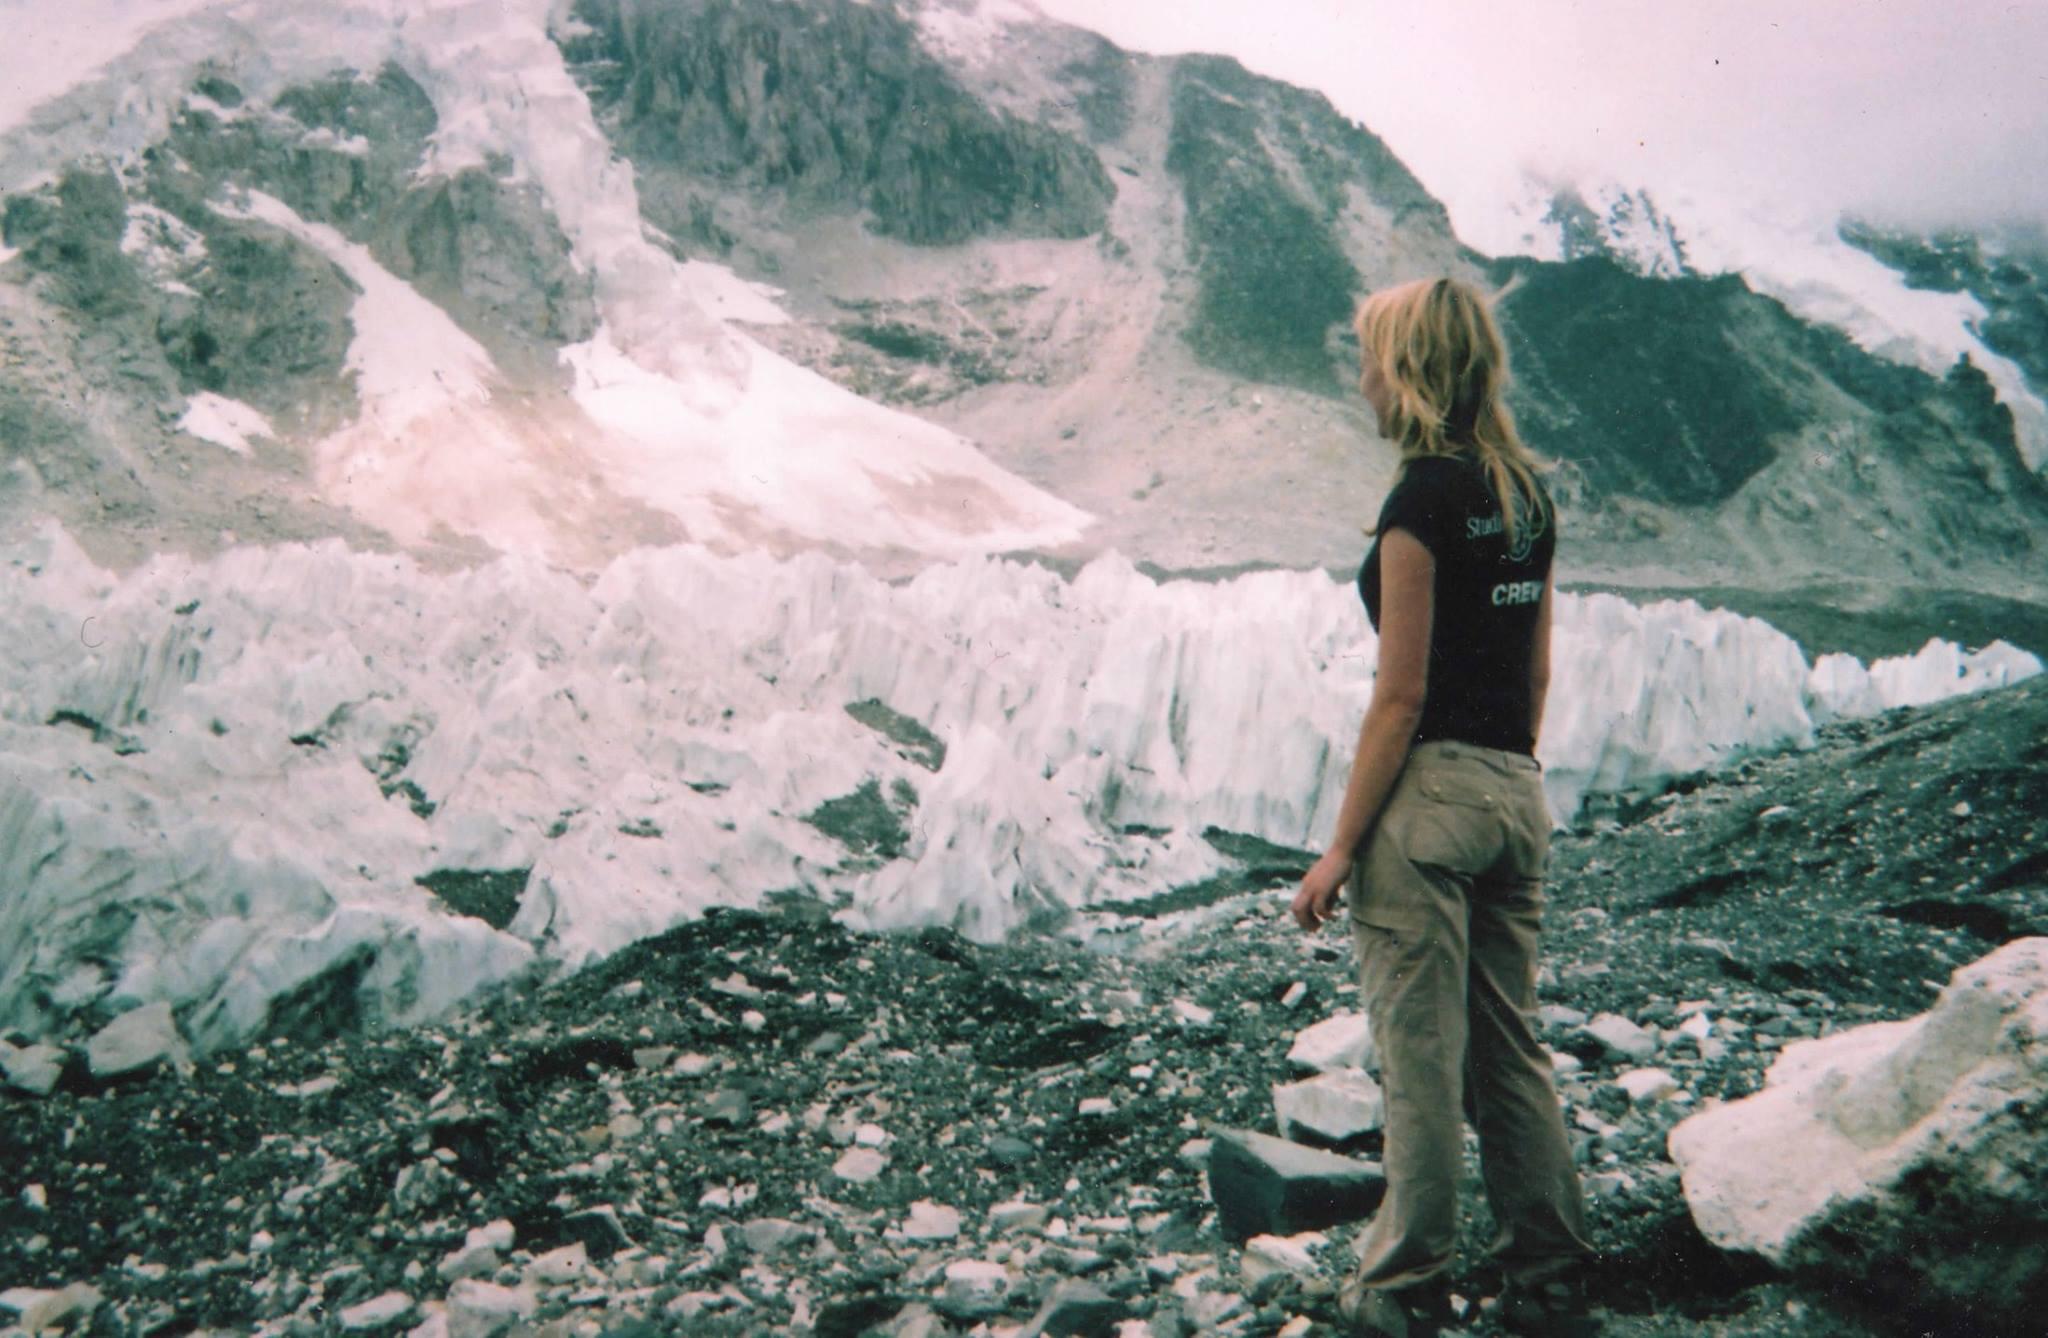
1921,109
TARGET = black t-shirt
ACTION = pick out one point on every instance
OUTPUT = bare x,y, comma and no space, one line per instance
1486,596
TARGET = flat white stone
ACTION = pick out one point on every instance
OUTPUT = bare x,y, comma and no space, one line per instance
859,1165
1646,1085
1192,1013
1622,1037
931,1221
1017,1215
558,1267
1096,1105
377,1311
1267,1255
1335,1106
1341,1041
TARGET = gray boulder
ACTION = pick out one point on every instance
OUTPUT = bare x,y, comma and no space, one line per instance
139,1039
1268,1186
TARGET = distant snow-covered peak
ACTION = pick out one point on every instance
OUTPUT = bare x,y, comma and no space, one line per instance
1799,259
1551,220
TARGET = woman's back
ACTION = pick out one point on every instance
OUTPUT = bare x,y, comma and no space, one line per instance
1488,588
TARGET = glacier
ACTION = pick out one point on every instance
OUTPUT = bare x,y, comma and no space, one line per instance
224,776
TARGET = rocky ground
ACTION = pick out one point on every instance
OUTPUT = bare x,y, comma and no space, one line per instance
763,1124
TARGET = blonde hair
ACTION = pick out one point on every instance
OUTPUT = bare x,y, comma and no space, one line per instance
1439,350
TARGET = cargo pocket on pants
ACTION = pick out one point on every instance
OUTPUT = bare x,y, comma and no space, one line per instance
1451,822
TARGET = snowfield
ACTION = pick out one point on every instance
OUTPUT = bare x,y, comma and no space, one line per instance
222,778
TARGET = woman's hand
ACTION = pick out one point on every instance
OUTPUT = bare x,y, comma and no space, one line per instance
1320,887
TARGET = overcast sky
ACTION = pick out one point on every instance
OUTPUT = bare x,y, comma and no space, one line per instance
1922,110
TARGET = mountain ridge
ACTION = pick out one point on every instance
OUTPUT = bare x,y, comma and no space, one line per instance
1124,279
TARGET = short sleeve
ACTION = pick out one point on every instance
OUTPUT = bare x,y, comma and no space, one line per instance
1422,504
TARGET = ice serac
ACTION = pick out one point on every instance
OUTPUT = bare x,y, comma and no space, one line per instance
1882,1152
269,784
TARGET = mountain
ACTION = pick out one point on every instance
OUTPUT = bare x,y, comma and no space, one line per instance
927,276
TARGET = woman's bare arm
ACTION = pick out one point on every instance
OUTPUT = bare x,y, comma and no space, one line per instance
1539,664
1407,594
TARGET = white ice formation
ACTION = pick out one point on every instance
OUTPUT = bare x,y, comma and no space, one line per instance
222,778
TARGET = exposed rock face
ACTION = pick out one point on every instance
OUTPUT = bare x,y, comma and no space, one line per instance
838,106
1882,1152
1276,183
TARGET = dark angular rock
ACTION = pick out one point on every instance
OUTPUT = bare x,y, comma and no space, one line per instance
1267,1185
1076,1310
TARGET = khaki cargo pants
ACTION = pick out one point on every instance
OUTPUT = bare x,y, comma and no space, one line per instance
1446,904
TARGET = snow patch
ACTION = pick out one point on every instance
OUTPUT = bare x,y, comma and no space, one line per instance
224,422
972,32
408,355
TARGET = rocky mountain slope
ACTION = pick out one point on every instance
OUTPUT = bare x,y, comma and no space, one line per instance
764,1123
1125,278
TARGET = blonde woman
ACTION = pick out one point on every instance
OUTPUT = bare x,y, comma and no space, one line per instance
1442,833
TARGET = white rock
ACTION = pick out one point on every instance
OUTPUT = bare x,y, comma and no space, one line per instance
871,1136
1096,1105
138,1039
1195,1153
976,1286
1295,994
38,1310
1192,1013
35,1198
33,1068
1563,1062
377,1312
1337,1105
566,1264
1342,1041
769,1235
1267,1255
694,1066
753,1020
478,1309
1622,1037
931,1221
859,1165
1846,1125
1017,1215
1646,1085
1699,1026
